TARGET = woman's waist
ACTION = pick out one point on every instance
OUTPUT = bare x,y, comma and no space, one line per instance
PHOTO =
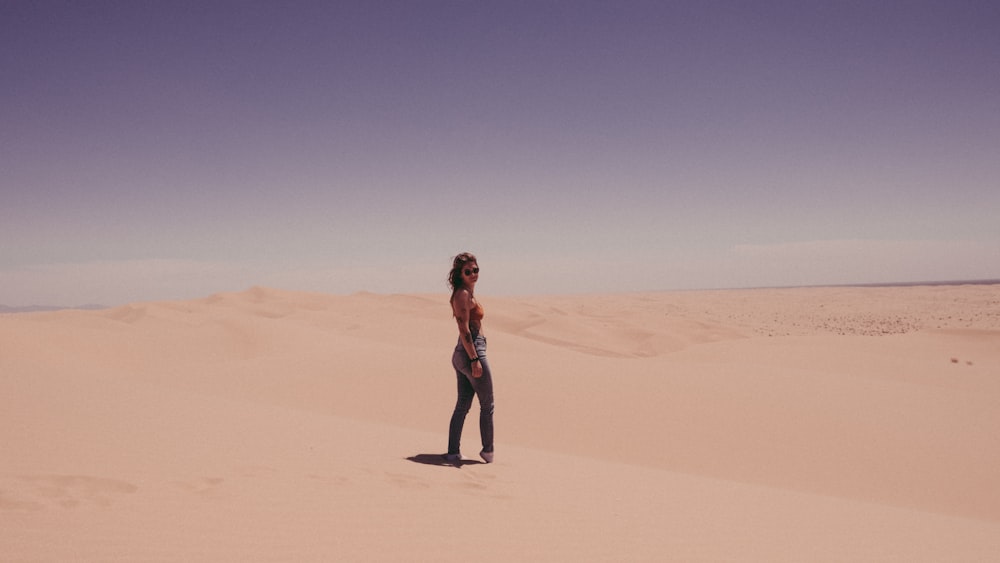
477,338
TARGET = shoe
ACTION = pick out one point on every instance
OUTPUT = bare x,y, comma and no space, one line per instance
487,456
453,457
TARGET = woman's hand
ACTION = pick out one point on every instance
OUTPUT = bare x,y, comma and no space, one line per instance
477,369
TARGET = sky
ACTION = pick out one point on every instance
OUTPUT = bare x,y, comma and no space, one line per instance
172,150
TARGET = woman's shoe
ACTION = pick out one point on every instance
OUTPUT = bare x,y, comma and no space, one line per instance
487,456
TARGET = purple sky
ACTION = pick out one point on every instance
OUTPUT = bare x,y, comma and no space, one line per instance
166,150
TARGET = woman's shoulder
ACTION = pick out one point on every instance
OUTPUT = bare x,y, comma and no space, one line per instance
461,296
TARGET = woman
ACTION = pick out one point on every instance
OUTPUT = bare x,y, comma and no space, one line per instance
471,368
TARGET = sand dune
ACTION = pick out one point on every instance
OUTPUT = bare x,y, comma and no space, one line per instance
816,424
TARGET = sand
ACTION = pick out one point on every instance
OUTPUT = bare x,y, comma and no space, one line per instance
812,424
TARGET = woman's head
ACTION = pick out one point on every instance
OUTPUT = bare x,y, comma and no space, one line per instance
457,277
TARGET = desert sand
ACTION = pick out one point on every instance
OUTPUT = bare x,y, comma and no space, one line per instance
811,424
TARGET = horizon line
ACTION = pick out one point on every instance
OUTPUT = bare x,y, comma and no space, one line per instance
4,309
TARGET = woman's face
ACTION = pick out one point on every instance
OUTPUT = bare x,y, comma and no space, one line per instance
470,272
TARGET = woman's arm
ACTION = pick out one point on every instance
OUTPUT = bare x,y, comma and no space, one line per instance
462,306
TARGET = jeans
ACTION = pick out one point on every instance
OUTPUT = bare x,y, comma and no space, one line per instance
468,387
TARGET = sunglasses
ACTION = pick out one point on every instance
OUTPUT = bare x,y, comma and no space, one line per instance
469,272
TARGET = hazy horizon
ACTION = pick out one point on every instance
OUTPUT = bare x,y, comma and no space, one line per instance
37,308
170,151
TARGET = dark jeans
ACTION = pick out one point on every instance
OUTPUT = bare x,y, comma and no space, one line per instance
468,387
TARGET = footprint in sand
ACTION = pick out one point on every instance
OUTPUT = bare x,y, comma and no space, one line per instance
35,492
406,481
206,487
12,501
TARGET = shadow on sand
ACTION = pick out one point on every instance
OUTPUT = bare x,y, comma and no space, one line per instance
441,461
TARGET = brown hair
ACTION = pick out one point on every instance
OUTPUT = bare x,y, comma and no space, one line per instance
455,275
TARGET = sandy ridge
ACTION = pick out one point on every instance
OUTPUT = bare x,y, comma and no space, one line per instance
760,425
